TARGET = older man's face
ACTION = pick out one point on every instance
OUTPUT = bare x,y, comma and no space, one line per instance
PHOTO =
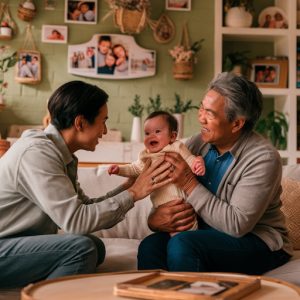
216,129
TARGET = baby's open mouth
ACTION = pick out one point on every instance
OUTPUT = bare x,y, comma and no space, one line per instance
153,143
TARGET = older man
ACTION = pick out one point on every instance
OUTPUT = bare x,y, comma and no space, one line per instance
237,201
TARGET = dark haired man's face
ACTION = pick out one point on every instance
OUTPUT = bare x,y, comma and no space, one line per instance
93,132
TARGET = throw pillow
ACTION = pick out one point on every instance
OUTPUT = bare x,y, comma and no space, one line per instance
290,198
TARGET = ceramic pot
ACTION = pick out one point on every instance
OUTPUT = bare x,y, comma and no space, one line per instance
7,31
180,121
136,130
238,17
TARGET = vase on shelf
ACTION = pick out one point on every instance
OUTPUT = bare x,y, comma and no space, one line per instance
180,122
136,130
238,17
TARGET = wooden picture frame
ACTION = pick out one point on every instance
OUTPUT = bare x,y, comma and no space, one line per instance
179,5
171,285
54,34
28,67
269,73
81,12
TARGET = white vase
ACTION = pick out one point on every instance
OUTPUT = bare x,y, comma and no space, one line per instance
136,130
7,31
180,121
238,17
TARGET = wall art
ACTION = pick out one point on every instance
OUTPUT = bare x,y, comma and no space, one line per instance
54,34
178,5
111,56
83,12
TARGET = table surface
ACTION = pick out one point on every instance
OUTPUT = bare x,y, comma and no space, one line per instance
100,286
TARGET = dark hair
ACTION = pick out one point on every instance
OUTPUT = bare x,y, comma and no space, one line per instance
242,98
105,38
171,120
75,98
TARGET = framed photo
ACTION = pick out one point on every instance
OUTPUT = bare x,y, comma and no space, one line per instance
49,4
83,12
54,34
178,4
272,17
28,67
269,73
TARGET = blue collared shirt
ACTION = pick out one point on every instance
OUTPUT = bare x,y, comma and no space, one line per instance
216,166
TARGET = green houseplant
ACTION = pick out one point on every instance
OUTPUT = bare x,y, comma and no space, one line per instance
274,127
181,106
237,62
136,109
238,13
155,104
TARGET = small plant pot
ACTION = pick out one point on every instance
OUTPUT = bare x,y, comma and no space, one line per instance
4,146
183,70
6,31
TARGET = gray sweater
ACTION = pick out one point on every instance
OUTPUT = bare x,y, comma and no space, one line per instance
39,191
248,197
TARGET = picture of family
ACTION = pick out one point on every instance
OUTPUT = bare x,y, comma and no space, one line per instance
83,59
111,56
178,4
266,74
272,17
54,34
29,67
81,12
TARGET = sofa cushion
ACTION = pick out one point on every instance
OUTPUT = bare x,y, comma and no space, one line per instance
291,208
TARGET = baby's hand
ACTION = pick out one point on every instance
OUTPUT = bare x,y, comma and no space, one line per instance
113,169
198,166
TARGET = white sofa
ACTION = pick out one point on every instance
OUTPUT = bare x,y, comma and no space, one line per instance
122,240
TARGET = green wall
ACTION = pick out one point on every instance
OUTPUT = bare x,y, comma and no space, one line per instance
26,104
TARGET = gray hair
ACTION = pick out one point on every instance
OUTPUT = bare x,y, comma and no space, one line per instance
242,98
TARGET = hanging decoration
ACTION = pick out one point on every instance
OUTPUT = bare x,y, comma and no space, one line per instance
184,56
26,10
28,68
8,27
163,29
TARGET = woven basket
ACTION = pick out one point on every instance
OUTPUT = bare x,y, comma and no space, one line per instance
183,70
26,14
130,21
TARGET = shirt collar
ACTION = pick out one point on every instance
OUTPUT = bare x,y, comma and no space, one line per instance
54,135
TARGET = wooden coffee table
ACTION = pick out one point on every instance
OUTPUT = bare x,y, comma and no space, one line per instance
100,286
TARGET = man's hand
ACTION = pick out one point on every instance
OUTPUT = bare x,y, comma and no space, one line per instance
113,169
173,216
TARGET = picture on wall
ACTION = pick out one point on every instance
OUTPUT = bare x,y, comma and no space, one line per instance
83,12
28,68
54,34
178,4
111,56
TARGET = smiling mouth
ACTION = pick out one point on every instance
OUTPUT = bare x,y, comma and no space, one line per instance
153,143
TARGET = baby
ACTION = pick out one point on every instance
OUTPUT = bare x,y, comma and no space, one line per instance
160,130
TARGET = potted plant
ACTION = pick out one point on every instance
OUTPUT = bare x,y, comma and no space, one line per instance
5,30
238,13
274,127
178,110
136,109
237,62
155,104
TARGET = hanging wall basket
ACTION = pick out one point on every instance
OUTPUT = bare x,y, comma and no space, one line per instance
183,70
130,21
26,11
8,27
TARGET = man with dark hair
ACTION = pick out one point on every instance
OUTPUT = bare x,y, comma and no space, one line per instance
39,193
237,201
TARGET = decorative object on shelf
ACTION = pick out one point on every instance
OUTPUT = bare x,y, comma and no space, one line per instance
238,13
163,29
130,16
155,104
270,72
54,34
272,17
184,56
136,109
184,5
28,68
7,61
49,4
8,27
129,59
274,127
81,12
26,10
237,62
180,107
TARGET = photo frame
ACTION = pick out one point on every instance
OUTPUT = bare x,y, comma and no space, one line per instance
272,17
28,67
54,34
269,73
184,5
81,12
49,4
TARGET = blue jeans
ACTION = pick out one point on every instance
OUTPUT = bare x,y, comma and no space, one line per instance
208,250
28,259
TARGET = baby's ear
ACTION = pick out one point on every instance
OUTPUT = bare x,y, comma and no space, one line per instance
173,136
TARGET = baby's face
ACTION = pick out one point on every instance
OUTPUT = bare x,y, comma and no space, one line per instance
119,52
104,47
110,60
157,134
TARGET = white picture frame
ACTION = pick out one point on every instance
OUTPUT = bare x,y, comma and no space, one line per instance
179,5
81,12
54,34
